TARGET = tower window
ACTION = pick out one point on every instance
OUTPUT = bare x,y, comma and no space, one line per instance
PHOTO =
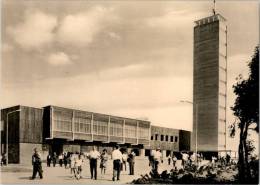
171,138
151,137
166,138
176,139
156,137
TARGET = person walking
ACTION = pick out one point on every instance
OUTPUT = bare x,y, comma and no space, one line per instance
184,159
49,160
131,161
157,159
78,167
65,159
169,159
37,164
103,162
93,156
117,158
174,161
151,159
124,160
60,159
228,159
54,159
4,159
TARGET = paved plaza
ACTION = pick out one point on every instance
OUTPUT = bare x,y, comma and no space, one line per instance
21,174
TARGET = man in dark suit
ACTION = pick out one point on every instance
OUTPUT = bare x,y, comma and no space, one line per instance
37,164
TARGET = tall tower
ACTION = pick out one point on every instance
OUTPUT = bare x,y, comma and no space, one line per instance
209,84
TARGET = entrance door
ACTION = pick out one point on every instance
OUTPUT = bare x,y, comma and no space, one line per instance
57,148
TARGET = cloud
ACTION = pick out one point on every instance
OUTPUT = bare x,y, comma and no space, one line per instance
58,59
113,35
35,31
81,29
173,19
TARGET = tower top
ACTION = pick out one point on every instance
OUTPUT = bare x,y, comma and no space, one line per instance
213,18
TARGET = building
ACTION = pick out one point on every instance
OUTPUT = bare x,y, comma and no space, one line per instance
210,84
57,129
168,140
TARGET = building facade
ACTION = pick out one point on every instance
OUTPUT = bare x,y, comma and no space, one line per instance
168,140
209,84
57,129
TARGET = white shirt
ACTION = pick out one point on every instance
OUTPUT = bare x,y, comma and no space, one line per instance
185,157
124,156
157,155
94,154
116,154
78,162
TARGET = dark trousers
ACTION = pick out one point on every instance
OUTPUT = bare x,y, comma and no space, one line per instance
48,163
93,168
116,169
60,161
156,163
37,168
54,162
131,168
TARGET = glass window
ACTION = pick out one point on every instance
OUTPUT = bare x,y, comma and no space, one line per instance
82,125
171,138
156,137
151,137
162,137
166,138
62,121
100,127
176,139
143,133
116,129
130,131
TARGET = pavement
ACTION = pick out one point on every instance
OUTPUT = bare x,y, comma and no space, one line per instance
52,175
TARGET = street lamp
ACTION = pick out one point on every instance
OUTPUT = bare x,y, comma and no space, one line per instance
196,126
18,110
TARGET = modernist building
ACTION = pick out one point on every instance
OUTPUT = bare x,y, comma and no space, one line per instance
210,84
56,129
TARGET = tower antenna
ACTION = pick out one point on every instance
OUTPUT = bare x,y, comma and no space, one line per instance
214,7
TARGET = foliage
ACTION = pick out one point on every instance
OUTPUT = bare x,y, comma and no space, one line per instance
246,109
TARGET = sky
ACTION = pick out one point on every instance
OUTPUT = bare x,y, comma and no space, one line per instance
125,58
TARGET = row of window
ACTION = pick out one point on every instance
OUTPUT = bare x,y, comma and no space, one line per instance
165,138
82,125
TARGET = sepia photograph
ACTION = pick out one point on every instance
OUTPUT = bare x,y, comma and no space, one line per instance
129,92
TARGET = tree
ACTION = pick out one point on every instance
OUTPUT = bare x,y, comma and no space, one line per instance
246,110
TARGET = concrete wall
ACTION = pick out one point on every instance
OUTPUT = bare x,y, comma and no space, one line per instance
27,150
164,145
206,85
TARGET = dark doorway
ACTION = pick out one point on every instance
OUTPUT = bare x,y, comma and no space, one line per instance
147,152
168,152
57,147
136,151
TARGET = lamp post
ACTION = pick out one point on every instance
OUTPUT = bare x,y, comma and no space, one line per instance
196,127
18,110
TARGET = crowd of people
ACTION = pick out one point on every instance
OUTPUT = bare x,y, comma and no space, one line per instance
74,162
